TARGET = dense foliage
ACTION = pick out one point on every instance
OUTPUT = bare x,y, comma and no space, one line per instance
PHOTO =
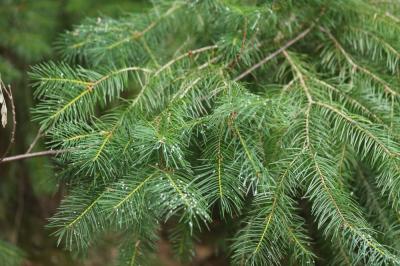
278,118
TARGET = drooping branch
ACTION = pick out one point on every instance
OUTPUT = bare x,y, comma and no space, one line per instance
386,86
8,92
307,92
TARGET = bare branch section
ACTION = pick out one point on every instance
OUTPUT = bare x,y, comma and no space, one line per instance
32,155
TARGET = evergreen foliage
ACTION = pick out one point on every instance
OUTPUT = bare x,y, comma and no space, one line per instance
160,119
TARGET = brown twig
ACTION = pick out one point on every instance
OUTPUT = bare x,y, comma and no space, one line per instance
275,53
12,136
32,155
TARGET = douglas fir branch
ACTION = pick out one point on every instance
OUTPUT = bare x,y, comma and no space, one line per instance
278,119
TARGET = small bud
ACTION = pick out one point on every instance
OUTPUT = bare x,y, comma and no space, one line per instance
4,114
3,110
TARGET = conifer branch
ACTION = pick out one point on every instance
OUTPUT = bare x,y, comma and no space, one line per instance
354,123
135,251
247,152
178,190
137,35
298,241
349,59
341,167
84,212
378,39
276,197
329,193
350,99
307,91
67,80
136,189
347,224
141,93
246,149
371,193
90,86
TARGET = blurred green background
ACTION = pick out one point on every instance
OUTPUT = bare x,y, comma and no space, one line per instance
29,190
